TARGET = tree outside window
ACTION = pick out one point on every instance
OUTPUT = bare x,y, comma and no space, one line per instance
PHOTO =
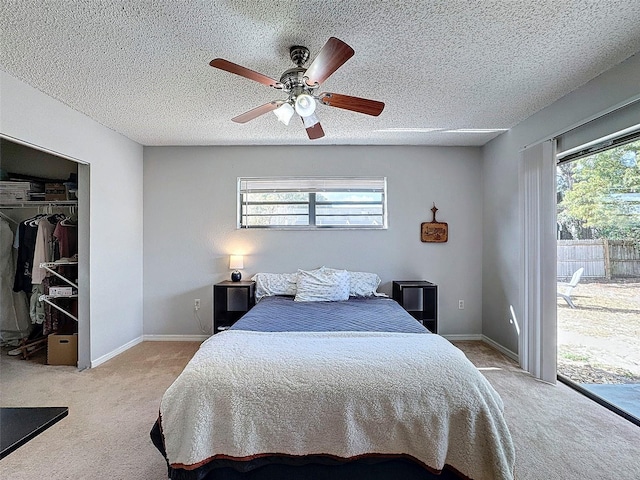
599,195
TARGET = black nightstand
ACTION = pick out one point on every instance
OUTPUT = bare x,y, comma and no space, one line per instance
420,299
231,300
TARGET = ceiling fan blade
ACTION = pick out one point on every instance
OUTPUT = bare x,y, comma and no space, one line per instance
231,67
355,104
314,132
256,112
333,54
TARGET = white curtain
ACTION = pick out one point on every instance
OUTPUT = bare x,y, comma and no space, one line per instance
538,338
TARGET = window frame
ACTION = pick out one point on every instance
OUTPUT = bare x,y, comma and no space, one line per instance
314,185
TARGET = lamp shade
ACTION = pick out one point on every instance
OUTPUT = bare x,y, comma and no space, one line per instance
305,105
284,113
236,262
310,120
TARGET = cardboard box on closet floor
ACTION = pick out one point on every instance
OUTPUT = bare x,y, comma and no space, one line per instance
62,349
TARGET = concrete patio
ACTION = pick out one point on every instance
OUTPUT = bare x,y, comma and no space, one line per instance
599,340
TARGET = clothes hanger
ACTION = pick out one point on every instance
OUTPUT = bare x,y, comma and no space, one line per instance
72,219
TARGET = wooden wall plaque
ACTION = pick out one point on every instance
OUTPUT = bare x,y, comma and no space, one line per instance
434,231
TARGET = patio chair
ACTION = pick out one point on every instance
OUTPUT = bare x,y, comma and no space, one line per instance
570,286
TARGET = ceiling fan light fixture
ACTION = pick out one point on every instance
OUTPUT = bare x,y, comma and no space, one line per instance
305,105
301,86
284,113
310,120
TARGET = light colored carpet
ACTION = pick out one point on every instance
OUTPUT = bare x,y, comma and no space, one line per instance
558,433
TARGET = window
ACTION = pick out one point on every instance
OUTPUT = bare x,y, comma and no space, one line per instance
312,202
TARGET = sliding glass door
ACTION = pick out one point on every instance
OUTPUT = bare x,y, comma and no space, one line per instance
598,273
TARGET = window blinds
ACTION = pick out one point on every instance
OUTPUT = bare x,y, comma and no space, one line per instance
312,202
615,128
313,184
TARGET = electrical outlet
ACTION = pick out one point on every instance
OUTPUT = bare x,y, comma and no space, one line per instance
461,304
196,304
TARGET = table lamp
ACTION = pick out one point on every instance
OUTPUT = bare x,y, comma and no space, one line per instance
236,263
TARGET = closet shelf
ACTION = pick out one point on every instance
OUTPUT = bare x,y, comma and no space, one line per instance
50,267
57,263
48,298
39,203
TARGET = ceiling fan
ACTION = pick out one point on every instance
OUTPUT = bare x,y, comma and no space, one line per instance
301,85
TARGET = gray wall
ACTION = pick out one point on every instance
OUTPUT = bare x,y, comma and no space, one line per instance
189,214
501,277
190,226
115,191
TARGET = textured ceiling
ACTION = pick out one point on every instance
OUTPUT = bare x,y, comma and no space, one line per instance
141,67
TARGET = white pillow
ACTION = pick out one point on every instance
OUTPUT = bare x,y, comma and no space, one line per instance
269,284
363,284
322,285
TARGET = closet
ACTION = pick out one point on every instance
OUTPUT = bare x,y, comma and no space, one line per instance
39,255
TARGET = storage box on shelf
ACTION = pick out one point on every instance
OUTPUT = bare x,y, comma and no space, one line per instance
61,291
16,191
55,191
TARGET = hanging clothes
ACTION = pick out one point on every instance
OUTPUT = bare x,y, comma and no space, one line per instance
66,246
45,239
36,307
26,236
66,234
43,250
14,312
57,238
54,319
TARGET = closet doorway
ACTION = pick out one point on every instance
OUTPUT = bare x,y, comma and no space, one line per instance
22,161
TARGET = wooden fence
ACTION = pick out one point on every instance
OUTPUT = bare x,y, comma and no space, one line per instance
600,258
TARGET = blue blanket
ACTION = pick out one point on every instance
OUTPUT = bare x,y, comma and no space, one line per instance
371,314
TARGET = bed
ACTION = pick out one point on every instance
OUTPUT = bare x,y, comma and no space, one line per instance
349,389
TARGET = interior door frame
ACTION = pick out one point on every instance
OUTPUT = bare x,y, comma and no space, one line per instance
84,243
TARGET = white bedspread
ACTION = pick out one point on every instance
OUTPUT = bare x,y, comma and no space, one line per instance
345,394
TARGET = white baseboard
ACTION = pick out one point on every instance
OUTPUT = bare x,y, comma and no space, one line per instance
117,351
201,338
501,349
485,339
147,338
175,338
462,337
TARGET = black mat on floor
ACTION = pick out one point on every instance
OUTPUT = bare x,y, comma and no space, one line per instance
19,425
